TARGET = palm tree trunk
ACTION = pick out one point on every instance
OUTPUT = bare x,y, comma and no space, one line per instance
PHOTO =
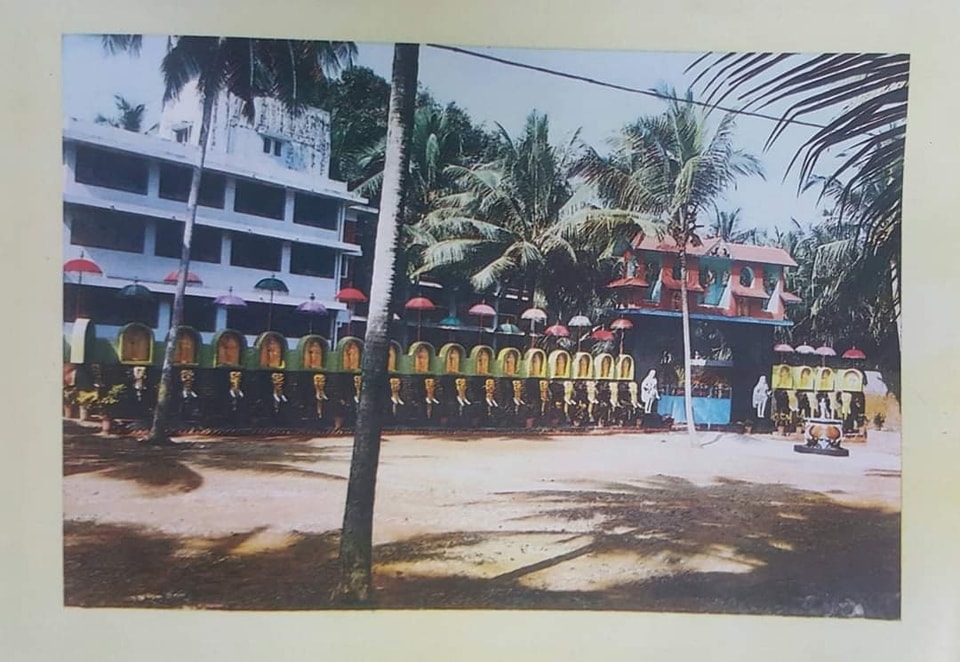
685,318
159,430
895,293
356,541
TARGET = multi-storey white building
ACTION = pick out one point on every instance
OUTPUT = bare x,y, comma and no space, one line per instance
266,207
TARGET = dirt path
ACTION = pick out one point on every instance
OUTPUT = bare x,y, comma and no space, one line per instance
648,522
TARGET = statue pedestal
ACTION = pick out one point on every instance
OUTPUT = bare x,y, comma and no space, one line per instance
822,436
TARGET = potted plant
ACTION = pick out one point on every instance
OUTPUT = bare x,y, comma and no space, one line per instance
70,402
102,404
878,420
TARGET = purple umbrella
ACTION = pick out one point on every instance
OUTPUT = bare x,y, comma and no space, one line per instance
230,300
312,307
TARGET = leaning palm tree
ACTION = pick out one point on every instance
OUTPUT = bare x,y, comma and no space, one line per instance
727,225
246,68
356,540
129,117
496,226
666,169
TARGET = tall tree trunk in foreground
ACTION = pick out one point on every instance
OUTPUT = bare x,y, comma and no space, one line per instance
159,431
356,542
685,320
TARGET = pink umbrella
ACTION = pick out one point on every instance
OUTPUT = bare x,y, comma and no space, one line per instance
481,310
823,352
621,325
230,300
783,348
854,353
534,315
80,266
557,330
419,304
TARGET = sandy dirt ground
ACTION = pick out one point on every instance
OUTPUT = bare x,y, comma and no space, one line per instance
736,524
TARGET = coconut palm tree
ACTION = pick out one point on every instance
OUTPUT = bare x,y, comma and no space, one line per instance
357,535
246,68
128,117
495,228
727,225
665,169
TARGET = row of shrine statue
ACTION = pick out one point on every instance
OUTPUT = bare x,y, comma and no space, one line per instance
136,346
812,378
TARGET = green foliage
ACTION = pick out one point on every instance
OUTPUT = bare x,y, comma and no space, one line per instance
128,117
99,402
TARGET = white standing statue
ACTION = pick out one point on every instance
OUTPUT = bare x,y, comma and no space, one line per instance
761,393
648,391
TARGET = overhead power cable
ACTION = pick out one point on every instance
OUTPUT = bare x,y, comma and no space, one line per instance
616,86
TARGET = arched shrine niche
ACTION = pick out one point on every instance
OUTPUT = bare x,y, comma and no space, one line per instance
625,369
482,358
558,364
603,367
312,352
186,349
392,354
536,362
803,378
452,355
421,355
509,361
229,346
852,381
351,353
272,347
584,365
782,377
825,379
136,344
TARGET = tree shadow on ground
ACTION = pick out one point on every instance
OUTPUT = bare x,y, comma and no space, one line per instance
666,545
164,470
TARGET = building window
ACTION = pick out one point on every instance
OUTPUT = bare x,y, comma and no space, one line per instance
255,252
103,228
182,134
272,146
260,200
307,260
175,185
103,306
113,170
743,308
677,301
316,211
746,277
204,248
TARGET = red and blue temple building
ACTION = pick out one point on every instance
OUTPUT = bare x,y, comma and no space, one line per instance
737,297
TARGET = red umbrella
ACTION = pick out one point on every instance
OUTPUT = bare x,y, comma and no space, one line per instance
350,295
192,278
482,310
80,266
419,304
621,324
853,353
602,335
558,330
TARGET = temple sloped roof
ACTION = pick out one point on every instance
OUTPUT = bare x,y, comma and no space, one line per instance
720,248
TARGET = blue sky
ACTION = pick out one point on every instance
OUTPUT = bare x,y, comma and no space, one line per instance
492,93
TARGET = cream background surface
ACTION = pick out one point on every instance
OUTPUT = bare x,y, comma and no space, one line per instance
35,626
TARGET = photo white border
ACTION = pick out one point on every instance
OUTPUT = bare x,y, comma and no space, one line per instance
35,626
